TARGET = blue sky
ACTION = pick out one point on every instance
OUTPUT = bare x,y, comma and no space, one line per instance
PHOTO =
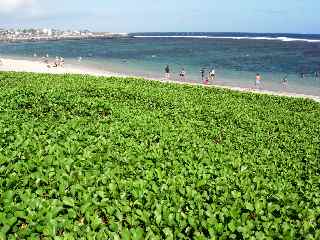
295,16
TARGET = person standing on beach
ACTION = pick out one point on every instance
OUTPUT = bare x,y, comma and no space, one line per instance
258,81
212,74
284,81
56,62
182,75
167,72
46,59
202,71
61,61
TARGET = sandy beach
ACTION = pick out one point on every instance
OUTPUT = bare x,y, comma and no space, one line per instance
40,67
15,65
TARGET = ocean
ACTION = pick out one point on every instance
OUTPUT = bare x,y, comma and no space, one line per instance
236,57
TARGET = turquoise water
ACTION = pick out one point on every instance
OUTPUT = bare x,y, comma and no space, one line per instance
236,57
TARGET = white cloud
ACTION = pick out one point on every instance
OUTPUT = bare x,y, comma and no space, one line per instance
8,6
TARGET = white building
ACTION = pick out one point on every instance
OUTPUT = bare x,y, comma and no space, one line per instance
47,31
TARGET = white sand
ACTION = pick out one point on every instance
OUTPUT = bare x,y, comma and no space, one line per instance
39,67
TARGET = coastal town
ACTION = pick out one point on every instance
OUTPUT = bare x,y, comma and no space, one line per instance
47,34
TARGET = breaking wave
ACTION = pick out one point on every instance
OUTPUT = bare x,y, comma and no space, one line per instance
283,39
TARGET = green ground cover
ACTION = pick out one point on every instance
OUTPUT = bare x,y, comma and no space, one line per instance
83,157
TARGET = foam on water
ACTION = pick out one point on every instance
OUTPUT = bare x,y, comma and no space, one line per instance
283,39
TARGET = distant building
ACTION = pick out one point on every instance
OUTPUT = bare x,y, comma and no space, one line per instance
33,34
47,32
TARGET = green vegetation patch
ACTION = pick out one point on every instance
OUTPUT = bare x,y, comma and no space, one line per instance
84,157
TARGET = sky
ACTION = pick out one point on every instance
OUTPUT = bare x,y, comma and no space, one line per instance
276,16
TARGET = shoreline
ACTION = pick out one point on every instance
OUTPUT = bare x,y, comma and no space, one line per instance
14,65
